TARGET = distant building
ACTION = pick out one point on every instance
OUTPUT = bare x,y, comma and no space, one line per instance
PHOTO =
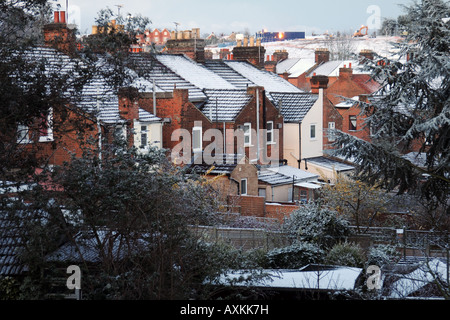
281,36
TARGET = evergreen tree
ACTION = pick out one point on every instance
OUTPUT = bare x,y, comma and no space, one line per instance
411,108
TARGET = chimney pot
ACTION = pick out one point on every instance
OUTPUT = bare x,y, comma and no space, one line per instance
62,16
56,17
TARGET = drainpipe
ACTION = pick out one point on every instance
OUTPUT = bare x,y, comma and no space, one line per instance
299,144
154,98
99,129
257,125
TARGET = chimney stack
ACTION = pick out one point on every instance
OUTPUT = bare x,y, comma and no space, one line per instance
367,53
318,82
252,53
322,55
57,35
62,16
346,73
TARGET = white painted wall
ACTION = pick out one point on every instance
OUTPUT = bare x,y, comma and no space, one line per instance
311,147
154,134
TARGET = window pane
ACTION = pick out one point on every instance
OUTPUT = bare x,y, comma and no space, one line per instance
243,186
196,138
352,121
313,131
247,133
144,141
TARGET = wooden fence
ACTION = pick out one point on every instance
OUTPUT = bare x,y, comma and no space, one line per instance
243,238
409,242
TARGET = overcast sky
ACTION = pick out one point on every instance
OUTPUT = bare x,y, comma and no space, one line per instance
225,16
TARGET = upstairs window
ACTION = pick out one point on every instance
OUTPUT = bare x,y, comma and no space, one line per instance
197,139
46,126
352,123
23,134
270,138
247,134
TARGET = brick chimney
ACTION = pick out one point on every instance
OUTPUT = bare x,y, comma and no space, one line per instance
57,35
321,55
346,72
280,55
318,82
128,103
188,43
254,53
367,53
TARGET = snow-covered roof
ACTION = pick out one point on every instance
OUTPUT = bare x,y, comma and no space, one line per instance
309,277
419,278
97,97
294,105
235,78
224,105
193,72
269,80
283,175
295,66
293,172
331,68
331,164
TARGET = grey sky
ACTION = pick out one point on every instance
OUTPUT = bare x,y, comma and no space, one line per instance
225,16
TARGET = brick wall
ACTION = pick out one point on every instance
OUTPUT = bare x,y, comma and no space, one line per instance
71,131
279,211
248,205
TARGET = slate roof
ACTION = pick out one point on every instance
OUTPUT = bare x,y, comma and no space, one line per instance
269,80
221,68
193,72
224,105
284,175
10,245
295,102
294,106
330,164
95,93
225,165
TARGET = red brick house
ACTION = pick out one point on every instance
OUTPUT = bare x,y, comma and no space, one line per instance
156,36
99,113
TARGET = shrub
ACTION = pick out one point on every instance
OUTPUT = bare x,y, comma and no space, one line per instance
295,256
315,223
382,254
345,254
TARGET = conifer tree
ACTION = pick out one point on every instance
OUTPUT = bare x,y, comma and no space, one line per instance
412,108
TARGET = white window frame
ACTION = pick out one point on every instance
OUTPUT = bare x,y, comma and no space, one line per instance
272,140
23,134
243,183
199,148
352,127
49,124
248,134
331,127
143,132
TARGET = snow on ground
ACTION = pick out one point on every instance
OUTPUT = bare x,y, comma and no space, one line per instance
304,48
